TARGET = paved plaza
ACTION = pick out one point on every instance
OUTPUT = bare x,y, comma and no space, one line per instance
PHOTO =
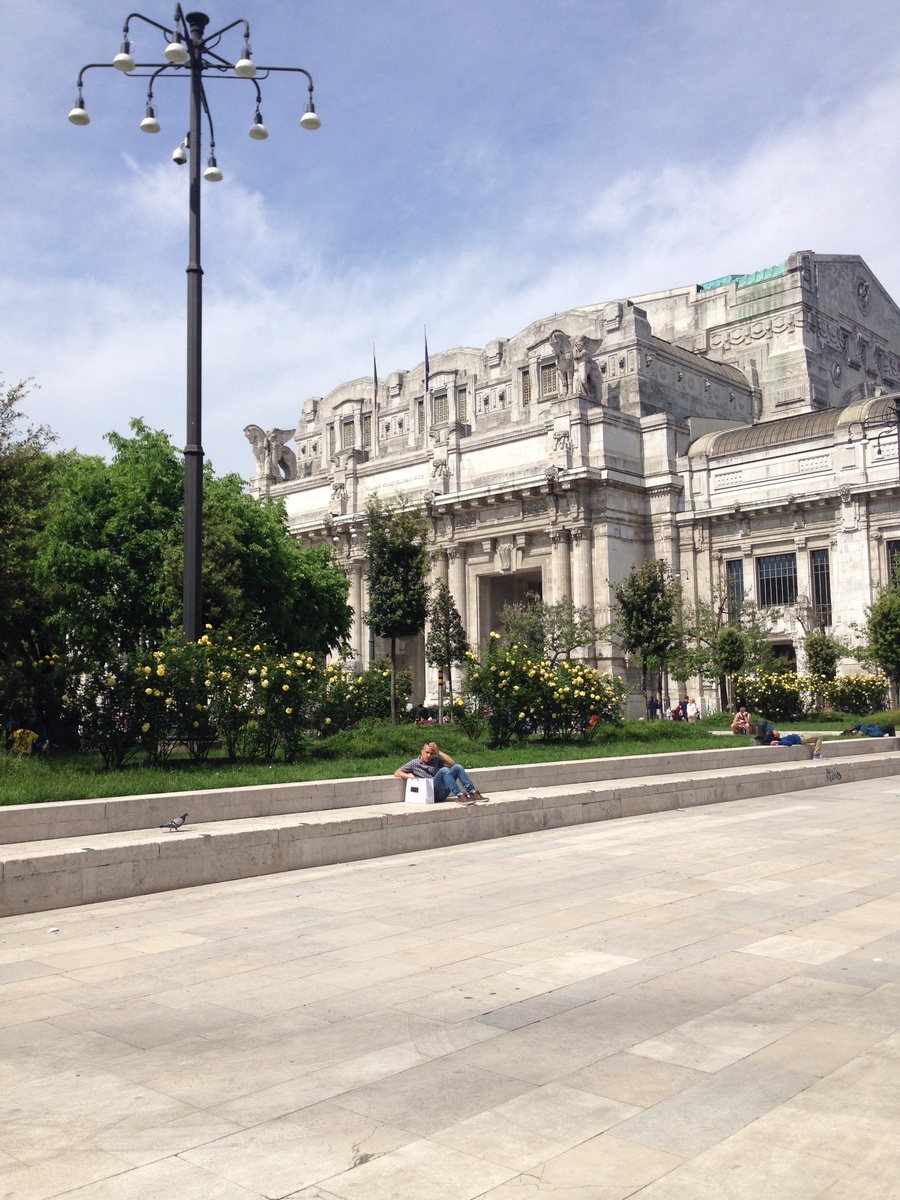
691,1004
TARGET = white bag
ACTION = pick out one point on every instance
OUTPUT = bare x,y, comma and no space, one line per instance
420,791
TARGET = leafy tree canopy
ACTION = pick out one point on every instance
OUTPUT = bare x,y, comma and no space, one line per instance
112,557
26,473
647,605
397,575
883,635
446,644
553,631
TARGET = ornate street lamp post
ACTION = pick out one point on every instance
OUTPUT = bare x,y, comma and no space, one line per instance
190,53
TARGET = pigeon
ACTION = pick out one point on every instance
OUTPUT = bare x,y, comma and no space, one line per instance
175,824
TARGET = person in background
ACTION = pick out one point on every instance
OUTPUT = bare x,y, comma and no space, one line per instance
653,707
693,712
773,738
741,722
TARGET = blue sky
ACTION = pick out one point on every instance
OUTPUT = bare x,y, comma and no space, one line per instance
479,165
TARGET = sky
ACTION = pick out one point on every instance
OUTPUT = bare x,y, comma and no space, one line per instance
481,164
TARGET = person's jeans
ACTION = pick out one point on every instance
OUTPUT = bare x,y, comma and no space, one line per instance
447,781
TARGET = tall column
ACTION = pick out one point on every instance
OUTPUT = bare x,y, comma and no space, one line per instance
357,642
560,564
439,568
456,558
582,581
582,578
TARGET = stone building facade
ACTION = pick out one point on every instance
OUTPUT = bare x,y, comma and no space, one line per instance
743,430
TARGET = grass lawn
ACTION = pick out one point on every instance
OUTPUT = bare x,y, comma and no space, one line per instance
378,751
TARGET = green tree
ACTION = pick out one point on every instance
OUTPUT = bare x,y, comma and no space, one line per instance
730,656
258,582
112,559
553,630
26,477
883,635
823,654
647,618
446,643
397,575
108,530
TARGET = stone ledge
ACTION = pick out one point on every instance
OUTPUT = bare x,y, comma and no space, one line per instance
87,818
61,872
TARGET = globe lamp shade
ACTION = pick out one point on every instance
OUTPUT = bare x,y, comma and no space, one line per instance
310,119
176,53
79,115
123,60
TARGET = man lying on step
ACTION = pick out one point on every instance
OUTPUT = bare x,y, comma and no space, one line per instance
434,764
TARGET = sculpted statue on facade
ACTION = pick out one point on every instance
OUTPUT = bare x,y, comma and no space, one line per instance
276,462
561,344
587,377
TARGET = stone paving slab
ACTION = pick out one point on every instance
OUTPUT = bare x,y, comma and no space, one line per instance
599,1011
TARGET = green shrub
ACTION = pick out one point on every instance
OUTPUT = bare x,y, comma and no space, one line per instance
777,697
858,694
520,695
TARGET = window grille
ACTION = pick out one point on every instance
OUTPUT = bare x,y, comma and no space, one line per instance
420,416
734,586
776,578
526,387
462,404
893,559
331,441
820,574
366,430
348,435
549,383
441,409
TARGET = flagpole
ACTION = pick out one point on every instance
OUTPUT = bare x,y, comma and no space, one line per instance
427,383
374,402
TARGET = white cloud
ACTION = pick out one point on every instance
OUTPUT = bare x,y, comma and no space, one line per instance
296,292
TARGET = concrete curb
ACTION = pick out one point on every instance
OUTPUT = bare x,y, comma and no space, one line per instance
63,872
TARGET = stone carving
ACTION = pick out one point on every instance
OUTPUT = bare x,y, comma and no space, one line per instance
863,295
587,381
562,440
552,474
818,462
275,461
440,469
561,345
828,331
534,508
504,556
338,492
741,334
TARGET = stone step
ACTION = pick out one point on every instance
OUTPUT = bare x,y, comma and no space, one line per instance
81,818
61,872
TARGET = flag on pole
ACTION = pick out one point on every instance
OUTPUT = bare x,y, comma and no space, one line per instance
427,369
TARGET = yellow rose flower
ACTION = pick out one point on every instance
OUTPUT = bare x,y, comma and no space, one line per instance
145,728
